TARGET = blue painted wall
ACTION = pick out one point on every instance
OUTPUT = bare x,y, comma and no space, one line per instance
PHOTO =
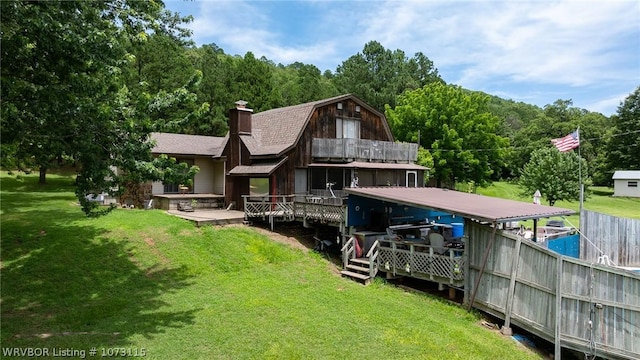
362,211
568,245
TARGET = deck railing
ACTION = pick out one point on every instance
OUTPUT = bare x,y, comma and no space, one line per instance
421,261
327,210
364,150
269,207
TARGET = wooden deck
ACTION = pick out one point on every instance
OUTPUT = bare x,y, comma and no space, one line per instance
210,216
307,209
421,262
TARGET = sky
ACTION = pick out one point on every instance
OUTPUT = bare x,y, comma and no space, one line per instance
534,51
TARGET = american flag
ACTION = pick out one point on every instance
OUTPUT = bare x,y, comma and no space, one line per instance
568,142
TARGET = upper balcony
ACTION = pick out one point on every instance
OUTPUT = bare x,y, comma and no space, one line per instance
364,150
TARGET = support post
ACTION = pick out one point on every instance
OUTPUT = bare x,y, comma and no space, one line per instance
508,308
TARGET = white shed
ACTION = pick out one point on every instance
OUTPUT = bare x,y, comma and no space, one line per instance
626,183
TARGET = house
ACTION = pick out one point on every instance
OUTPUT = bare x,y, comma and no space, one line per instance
317,148
625,183
207,188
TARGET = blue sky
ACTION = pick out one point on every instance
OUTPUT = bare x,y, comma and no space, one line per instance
531,51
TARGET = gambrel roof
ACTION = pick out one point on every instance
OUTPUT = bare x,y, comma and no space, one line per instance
277,130
273,132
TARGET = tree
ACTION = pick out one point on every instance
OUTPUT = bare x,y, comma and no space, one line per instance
624,145
455,126
378,75
557,120
554,173
253,82
63,92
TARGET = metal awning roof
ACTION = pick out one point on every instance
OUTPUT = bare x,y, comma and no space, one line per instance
479,207
260,169
371,165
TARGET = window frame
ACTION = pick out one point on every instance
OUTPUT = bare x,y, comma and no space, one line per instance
341,127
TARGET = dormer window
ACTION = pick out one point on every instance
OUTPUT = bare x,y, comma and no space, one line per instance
347,128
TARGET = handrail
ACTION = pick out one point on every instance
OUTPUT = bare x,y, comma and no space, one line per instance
347,244
373,247
347,250
373,259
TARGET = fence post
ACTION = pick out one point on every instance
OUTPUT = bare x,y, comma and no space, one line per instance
558,335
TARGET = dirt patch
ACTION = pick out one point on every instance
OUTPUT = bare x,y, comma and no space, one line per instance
150,241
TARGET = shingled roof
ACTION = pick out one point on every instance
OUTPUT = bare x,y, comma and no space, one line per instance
277,130
181,144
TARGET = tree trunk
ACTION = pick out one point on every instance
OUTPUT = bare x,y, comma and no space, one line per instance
43,175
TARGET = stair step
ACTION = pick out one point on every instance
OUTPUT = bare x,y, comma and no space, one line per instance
362,261
358,268
355,275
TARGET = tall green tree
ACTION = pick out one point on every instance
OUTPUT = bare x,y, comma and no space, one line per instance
378,75
63,89
217,78
624,145
554,174
253,82
456,127
557,120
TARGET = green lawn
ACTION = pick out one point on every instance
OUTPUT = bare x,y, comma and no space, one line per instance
139,279
598,199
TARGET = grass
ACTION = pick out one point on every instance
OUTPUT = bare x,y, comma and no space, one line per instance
599,199
139,279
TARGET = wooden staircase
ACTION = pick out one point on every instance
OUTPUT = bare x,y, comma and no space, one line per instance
358,270
362,269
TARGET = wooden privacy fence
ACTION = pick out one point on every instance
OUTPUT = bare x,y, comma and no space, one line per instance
570,302
617,238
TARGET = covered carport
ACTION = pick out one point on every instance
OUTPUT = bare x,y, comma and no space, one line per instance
472,207
477,209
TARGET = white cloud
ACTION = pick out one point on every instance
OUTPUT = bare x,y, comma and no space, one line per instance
544,42
530,49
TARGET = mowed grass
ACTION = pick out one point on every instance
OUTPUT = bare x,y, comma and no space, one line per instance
138,279
599,199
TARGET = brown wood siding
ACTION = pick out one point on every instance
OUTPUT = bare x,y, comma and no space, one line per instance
237,154
322,124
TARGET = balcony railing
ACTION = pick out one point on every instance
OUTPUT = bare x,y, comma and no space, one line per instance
364,150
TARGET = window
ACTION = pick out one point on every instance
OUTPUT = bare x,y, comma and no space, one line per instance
258,187
170,188
347,128
632,184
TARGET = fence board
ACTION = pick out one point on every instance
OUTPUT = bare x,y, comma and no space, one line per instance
607,297
618,238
